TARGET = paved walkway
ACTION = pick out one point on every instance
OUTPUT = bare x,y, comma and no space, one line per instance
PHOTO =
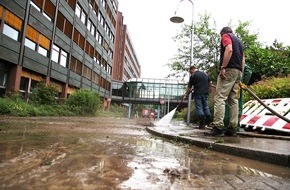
271,149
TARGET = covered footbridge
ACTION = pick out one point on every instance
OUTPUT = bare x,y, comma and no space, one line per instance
167,93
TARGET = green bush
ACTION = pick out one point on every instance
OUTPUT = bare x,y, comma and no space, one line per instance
115,110
43,94
14,107
269,88
4,107
84,102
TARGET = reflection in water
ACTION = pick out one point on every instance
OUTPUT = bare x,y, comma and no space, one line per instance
192,165
104,155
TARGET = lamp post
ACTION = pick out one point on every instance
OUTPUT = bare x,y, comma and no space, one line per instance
168,102
179,19
166,89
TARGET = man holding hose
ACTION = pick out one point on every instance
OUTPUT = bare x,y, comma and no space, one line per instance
200,83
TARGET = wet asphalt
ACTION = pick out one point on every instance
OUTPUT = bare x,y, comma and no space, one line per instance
271,149
118,153
267,148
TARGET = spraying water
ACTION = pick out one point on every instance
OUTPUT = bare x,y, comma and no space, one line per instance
166,119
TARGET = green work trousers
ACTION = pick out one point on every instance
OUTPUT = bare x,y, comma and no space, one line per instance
227,112
227,89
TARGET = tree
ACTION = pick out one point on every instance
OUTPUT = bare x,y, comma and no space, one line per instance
266,61
205,48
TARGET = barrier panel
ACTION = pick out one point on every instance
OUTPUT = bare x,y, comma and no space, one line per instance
257,116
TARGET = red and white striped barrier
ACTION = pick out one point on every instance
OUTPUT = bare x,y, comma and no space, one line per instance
257,116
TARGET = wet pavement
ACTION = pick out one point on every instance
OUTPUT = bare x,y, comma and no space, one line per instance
119,153
267,148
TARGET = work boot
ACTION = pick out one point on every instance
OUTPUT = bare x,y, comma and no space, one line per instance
215,131
230,132
207,121
201,122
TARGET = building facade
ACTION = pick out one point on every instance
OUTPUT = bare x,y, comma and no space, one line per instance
67,43
126,64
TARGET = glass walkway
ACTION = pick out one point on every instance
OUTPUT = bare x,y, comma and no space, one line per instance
149,91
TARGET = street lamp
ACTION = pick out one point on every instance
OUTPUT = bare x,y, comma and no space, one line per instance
168,102
165,87
179,19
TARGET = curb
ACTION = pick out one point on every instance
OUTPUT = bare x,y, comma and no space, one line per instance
255,154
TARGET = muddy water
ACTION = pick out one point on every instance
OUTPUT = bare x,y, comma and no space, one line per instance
113,153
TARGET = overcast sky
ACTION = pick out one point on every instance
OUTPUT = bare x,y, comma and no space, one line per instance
151,30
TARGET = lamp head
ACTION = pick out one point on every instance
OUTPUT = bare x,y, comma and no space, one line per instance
176,19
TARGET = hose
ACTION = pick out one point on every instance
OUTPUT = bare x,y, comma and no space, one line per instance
183,100
245,87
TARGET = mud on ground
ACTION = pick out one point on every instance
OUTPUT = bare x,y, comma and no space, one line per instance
67,152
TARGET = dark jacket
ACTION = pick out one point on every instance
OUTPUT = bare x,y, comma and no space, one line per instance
200,82
237,55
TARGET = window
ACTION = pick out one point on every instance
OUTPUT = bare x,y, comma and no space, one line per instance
64,25
107,29
1,12
76,65
35,6
46,7
72,3
59,56
11,32
97,58
79,39
106,46
95,78
33,84
24,84
84,17
13,21
101,19
111,36
49,9
89,49
27,84
42,51
78,11
104,3
103,64
109,69
110,53
44,42
63,58
94,6
93,30
55,53
12,26
91,27
81,14
32,34
87,73
114,6
3,78
30,44
37,41
99,38
68,28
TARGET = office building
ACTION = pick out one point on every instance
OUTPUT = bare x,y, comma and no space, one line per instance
70,44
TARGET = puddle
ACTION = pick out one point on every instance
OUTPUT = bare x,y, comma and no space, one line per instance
106,153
